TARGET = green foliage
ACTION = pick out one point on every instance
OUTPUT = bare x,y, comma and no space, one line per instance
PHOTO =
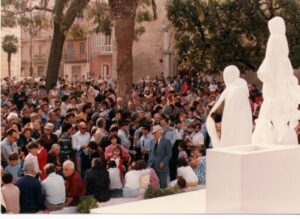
77,31
143,16
209,35
30,15
86,203
99,12
154,193
10,44
138,31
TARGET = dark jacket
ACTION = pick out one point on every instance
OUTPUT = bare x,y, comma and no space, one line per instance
31,198
163,153
97,183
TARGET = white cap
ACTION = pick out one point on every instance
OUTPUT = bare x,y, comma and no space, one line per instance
157,128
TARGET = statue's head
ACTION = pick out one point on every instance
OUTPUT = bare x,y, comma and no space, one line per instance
276,25
230,74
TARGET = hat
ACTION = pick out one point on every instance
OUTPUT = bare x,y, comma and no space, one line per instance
146,124
156,128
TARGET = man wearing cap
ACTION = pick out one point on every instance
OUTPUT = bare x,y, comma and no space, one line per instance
160,155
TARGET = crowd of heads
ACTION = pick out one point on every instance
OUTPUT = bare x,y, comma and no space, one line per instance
76,122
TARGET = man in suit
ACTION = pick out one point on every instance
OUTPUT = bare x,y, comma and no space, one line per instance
160,155
31,197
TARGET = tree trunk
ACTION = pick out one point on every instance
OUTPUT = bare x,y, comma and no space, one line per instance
8,63
56,51
124,12
124,28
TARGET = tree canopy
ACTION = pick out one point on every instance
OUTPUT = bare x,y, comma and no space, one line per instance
209,35
10,44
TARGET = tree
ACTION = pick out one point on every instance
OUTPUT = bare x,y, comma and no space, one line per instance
10,46
127,17
62,23
63,15
124,20
211,35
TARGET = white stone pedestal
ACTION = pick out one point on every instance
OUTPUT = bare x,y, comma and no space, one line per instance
253,179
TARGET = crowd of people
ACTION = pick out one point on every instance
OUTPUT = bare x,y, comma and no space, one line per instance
81,139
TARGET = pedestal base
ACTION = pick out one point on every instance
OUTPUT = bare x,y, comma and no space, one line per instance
253,179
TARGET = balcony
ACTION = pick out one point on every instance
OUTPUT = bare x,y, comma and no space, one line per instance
68,58
102,50
39,58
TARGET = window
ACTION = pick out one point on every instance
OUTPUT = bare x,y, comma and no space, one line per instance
105,71
69,50
76,72
41,70
40,50
107,40
82,47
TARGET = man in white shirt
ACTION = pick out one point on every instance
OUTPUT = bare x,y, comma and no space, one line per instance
198,138
32,156
53,188
80,141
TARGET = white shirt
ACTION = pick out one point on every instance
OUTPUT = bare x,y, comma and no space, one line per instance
53,188
114,177
124,138
187,173
79,139
198,139
32,158
132,178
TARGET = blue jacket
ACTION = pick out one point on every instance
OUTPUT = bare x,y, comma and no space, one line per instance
163,154
31,197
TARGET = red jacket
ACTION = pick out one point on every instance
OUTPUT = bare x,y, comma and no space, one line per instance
43,160
75,186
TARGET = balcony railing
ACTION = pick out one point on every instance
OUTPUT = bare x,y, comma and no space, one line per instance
75,57
39,58
102,50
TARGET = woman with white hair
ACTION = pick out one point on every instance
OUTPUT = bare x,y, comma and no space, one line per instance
48,138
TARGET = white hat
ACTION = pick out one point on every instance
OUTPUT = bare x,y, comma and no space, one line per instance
156,128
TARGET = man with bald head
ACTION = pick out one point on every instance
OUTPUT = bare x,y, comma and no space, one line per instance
75,187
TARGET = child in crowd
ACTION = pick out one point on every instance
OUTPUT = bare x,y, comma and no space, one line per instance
181,183
118,158
14,166
185,170
11,194
115,185
133,179
33,149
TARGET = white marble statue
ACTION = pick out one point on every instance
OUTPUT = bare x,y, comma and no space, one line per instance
236,124
281,93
